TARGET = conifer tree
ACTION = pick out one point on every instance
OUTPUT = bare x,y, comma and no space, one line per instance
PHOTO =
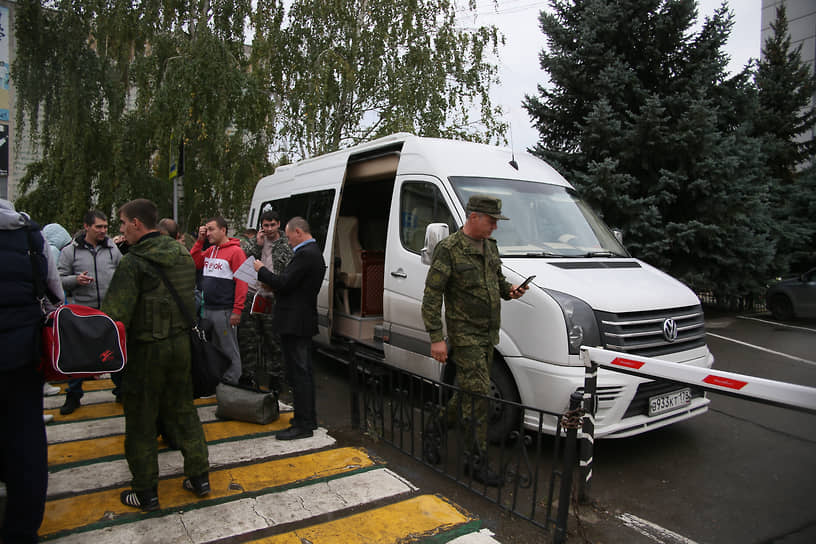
785,123
641,116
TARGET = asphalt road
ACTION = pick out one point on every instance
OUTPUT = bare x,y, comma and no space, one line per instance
742,473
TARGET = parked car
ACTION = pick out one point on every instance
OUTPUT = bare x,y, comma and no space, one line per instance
793,297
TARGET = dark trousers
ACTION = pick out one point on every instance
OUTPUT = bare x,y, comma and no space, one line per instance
297,354
75,385
23,453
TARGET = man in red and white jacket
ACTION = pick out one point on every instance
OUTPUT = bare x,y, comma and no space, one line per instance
222,294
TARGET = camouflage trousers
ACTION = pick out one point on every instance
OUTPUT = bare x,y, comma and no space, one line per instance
260,348
157,389
473,376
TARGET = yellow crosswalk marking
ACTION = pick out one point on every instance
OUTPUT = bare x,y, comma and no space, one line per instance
89,385
412,519
108,446
82,510
105,409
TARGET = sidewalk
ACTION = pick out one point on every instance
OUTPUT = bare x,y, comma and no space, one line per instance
263,490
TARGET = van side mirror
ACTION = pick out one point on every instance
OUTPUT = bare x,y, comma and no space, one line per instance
434,233
618,234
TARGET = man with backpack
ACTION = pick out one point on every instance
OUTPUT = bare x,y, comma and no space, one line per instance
86,267
28,273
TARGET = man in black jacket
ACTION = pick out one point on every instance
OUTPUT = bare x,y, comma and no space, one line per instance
295,319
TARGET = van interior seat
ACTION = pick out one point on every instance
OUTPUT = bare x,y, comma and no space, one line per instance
347,248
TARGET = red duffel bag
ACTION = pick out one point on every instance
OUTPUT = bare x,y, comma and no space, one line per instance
81,342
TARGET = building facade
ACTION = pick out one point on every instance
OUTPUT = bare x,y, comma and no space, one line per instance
802,29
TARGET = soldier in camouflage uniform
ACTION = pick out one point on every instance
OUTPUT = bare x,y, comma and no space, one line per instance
157,386
271,247
466,273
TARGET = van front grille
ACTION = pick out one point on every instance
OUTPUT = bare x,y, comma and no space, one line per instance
642,333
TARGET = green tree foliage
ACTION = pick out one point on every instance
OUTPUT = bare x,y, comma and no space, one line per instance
641,116
785,122
348,71
108,87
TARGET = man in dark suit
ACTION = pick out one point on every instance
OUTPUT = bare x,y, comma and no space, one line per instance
295,319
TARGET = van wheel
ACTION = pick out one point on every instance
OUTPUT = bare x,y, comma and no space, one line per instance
781,307
503,419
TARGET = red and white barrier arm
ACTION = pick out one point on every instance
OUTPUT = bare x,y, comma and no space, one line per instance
741,385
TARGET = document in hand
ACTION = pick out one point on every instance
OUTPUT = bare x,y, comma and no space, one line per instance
246,272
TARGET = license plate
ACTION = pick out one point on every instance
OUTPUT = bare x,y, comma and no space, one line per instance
669,401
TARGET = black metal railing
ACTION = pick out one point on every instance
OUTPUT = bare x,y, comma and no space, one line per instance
437,425
735,303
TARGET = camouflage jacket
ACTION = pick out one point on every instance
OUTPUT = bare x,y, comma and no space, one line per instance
274,255
137,296
472,285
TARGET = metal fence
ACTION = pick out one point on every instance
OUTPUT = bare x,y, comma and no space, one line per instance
422,418
741,303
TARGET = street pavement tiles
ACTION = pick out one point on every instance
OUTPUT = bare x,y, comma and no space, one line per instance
263,490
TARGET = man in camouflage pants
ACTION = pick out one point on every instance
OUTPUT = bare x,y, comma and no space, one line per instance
157,386
255,330
466,273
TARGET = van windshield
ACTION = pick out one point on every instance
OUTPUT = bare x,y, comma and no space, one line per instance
545,220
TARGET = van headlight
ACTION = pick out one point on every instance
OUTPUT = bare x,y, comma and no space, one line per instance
582,328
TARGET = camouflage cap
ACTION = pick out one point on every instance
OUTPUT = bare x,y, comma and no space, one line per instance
485,204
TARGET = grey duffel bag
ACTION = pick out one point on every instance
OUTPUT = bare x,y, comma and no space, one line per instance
246,404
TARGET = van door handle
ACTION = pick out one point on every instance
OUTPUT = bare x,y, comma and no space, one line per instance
399,273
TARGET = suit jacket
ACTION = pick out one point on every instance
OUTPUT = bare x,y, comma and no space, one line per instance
296,290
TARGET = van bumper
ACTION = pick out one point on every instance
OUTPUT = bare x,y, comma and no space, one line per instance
622,398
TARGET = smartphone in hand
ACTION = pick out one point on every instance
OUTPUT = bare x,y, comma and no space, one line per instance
526,282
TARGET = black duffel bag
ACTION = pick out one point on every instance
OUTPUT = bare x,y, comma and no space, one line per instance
207,361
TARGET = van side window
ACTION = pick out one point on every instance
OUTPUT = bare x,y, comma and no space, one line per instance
314,207
421,204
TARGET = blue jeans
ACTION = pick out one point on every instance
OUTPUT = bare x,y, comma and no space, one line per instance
75,385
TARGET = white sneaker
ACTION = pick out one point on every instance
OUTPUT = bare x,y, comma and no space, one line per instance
49,389
47,418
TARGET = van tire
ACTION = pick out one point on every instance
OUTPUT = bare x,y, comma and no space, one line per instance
781,307
503,420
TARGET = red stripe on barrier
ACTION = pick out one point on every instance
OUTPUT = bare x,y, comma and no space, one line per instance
724,382
628,363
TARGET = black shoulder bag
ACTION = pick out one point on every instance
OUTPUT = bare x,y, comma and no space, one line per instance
208,362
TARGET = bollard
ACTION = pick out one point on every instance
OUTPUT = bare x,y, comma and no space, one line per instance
568,464
590,405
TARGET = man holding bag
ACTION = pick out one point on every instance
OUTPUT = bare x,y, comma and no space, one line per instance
157,383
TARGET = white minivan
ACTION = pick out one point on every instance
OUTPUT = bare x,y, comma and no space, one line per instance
369,207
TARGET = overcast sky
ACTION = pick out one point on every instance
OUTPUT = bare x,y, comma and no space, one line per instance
519,68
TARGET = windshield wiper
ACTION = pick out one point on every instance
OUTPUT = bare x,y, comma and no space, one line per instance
601,254
544,254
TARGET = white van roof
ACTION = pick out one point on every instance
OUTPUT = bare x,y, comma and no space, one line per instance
419,155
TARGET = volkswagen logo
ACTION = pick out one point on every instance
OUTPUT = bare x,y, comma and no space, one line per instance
670,330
